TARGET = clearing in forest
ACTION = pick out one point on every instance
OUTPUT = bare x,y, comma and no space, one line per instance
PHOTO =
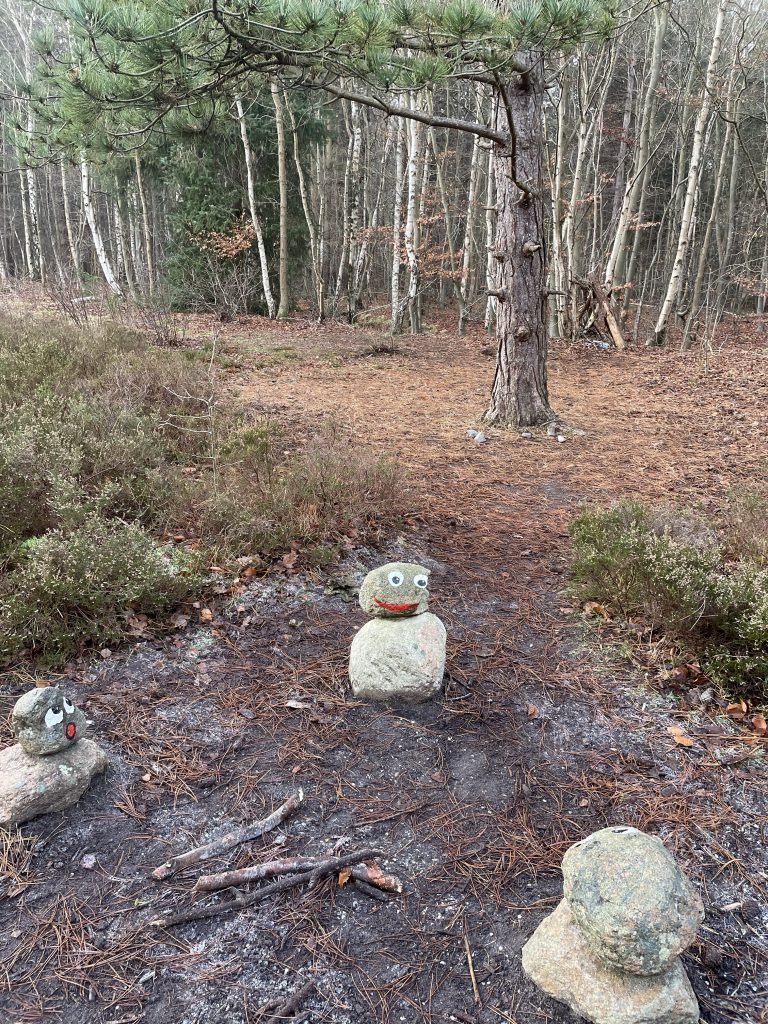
549,727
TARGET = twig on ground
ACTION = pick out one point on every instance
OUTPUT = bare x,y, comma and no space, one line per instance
292,1003
369,873
330,867
473,979
229,841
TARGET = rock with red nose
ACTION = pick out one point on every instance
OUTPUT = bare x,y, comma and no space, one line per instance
400,653
45,721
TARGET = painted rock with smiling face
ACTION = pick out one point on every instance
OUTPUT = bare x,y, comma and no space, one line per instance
45,721
395,590
400,653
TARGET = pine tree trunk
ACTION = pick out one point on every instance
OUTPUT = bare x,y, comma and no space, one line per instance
411,234
519,397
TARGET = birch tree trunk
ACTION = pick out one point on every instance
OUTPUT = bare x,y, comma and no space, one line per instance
269,298
397,216
149,260
314,248
284,308
93,224
411,235
694,169
466,257
635,185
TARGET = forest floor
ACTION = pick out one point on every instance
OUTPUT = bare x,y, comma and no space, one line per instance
551,726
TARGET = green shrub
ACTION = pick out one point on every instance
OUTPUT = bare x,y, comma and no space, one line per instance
75,587
675,571
102,438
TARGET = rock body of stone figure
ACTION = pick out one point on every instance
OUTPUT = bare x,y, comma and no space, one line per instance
400,653
611,949
51,766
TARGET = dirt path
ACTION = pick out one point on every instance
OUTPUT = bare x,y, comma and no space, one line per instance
544,733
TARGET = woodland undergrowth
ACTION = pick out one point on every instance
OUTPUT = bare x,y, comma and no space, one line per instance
701,581
123,477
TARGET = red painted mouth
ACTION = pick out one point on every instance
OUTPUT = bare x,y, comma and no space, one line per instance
70,730
395,607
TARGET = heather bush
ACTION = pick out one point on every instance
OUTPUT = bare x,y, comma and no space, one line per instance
704,585
107,443
71,587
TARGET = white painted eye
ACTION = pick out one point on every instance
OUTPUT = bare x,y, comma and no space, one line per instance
69,707
396,579
421,582
53,716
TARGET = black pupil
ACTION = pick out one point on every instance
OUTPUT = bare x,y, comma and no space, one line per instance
56,711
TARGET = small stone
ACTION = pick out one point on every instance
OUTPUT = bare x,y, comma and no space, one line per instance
45,721
472,433
637,910
395,590
560,439
403,659
552,429
527,435
105,652
31,786
88,862
558,959
480,438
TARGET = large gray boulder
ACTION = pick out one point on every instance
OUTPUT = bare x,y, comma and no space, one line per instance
398,659
560,961
636,908
31,786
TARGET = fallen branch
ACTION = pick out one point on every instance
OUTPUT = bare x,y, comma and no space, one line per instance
372,874
291,1004
330,867
229,841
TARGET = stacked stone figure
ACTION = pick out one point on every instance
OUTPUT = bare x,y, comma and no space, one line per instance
611,950
400,653
51,766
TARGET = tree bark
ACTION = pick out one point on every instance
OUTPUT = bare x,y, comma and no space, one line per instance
284,308
519,397
93,224
694,170
255,222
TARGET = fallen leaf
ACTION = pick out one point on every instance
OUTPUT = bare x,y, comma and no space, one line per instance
179,621
584,803
759,724
206,615
595,608
737,710
533,711
296,769
290,558
298,705
680,737
250,571
344,876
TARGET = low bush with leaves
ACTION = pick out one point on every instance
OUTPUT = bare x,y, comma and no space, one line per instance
703,586
108,446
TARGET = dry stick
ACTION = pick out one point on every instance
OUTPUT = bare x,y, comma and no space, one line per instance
291,1004
370,873
227,842
475,989
267,890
